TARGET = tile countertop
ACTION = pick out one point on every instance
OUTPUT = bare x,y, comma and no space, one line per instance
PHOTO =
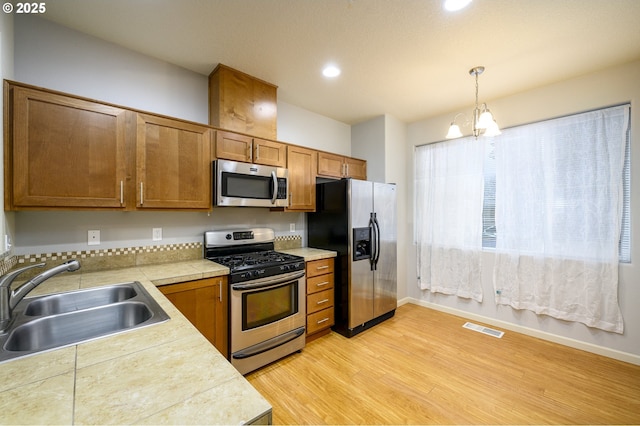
165,373
310,253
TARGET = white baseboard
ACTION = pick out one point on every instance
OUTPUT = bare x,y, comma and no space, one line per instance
566,341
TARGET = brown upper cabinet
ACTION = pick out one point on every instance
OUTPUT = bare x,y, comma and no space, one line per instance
338,166
173,164
246,149
242,103
302,178
67,152
62,151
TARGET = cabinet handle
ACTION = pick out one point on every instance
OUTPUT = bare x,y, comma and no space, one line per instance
346,170
322,267
322,320
121,192
257,152
320,302
290,197
220,292
141,193
322,284
249,153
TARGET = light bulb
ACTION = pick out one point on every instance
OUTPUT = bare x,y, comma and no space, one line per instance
454,5
454,132
331,71
485,120
492,129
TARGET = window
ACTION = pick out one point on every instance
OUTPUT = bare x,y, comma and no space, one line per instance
572,153
552,198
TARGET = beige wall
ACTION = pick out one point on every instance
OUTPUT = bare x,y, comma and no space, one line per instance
611,86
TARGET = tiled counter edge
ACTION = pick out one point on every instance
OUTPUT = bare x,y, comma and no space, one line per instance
166,373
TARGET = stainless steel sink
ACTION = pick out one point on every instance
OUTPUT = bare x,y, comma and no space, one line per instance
64,319
65,329
81,299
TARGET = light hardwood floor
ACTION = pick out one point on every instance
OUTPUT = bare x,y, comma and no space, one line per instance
422,367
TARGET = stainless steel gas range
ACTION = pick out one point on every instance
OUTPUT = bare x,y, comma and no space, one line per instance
266,297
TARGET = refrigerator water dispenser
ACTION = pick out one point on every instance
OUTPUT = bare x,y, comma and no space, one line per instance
361,243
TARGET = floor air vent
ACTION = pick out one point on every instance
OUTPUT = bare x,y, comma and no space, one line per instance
484,330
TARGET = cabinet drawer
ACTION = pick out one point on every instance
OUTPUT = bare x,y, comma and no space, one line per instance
319,267
319,283
319,320
319,301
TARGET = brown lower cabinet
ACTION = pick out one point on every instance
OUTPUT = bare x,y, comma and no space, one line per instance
204,303
320,279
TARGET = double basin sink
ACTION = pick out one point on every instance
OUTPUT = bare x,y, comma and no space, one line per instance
63,319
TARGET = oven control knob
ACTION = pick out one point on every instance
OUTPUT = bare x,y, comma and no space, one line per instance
228,236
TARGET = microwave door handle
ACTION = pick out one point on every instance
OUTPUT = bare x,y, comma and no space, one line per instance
274,180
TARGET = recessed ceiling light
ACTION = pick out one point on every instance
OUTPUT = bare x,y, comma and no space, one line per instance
331,71
453,5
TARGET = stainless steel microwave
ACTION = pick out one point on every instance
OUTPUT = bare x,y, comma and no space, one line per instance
249,185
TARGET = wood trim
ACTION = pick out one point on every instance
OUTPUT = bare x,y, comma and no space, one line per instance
8,146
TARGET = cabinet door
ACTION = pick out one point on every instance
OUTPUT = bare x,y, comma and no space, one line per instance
269,153
242,103
173,164
301,163
203,303
232,146
331,165
66,152
355,168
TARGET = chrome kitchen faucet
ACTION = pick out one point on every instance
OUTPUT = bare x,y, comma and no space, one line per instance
9,299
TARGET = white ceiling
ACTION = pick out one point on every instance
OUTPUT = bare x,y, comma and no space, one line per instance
406,58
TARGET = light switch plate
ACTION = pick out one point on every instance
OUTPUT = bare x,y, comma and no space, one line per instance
93,237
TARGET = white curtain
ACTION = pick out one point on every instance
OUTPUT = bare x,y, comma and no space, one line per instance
449,187
558,217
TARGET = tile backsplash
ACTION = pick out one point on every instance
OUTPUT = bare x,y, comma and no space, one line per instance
96,260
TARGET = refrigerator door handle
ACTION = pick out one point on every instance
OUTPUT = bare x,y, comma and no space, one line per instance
372,230
377,241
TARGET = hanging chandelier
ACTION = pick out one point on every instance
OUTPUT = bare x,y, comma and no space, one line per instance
483,122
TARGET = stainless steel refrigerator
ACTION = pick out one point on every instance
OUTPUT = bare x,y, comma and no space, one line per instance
357,219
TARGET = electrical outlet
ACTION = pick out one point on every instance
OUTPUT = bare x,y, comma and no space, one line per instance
93,237
292,227
157,234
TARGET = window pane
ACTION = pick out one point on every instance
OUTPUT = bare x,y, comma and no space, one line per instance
489,202
571,157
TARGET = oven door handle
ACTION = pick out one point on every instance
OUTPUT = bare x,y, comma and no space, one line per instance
274,179
269,344
268,282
